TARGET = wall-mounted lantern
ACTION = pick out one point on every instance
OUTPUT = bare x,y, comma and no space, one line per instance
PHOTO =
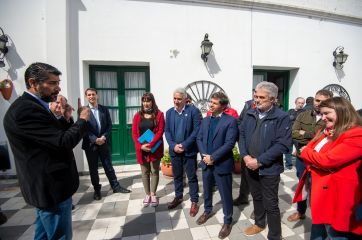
339,58
206,47
3,48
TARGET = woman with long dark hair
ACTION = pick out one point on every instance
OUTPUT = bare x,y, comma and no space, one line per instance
149,154
335,162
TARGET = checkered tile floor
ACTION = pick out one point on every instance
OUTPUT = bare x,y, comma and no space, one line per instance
122,216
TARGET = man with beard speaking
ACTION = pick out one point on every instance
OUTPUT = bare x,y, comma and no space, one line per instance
42,147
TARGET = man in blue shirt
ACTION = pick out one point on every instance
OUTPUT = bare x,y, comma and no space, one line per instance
97,145
216,139
182,125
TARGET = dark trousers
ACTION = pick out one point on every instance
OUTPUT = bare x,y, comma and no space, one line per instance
244,190
264,190
224,184
300,166
181,163
103,152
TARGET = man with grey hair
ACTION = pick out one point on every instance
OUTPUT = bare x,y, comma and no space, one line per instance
182,125
265,135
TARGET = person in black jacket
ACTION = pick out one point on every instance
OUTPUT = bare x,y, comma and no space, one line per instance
360,112
293,114
42,147
265,135
96,144
244,191
308,104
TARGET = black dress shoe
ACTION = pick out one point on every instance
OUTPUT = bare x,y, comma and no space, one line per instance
97,195
225,231
203,218
175,202
121,189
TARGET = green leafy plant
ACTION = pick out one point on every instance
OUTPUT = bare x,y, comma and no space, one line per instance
236,154
166,159
2,84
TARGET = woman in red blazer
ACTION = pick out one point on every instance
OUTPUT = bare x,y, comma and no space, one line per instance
149,118
335,158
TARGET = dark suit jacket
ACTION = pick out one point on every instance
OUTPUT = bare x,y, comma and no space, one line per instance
275,139
193,119
89,139
223,142
42,148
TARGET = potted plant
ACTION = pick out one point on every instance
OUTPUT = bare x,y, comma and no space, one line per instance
237,160
166,166
6,88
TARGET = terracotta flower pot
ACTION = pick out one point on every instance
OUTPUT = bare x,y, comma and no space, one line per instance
237,166
166,170
6,88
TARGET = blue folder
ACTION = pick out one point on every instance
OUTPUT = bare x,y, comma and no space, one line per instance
147,137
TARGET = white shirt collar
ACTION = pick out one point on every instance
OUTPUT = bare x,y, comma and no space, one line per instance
181,109
93,107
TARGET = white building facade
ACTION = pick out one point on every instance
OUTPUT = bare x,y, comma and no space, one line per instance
125,48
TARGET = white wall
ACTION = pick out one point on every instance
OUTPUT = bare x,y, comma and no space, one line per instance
147,32
345,7
24,23
308,44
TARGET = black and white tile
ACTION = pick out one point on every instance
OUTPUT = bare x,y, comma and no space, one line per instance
122,216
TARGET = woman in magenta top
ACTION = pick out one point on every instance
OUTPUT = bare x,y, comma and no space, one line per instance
149,118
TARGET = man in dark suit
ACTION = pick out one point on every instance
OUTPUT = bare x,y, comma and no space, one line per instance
244,191
96,144
182,126
216,139
265,134
42,147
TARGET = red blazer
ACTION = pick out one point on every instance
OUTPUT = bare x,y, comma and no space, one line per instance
158,131
336,190
229,111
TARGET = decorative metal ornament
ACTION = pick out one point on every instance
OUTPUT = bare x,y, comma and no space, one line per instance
200,93
338,90
339,58
3,48
206,47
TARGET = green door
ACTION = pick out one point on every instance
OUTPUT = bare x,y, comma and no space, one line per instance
121,89
279,78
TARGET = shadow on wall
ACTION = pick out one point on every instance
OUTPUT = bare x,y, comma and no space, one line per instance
340,74
211,65
14,61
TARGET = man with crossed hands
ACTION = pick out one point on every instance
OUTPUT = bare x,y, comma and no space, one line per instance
265,135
